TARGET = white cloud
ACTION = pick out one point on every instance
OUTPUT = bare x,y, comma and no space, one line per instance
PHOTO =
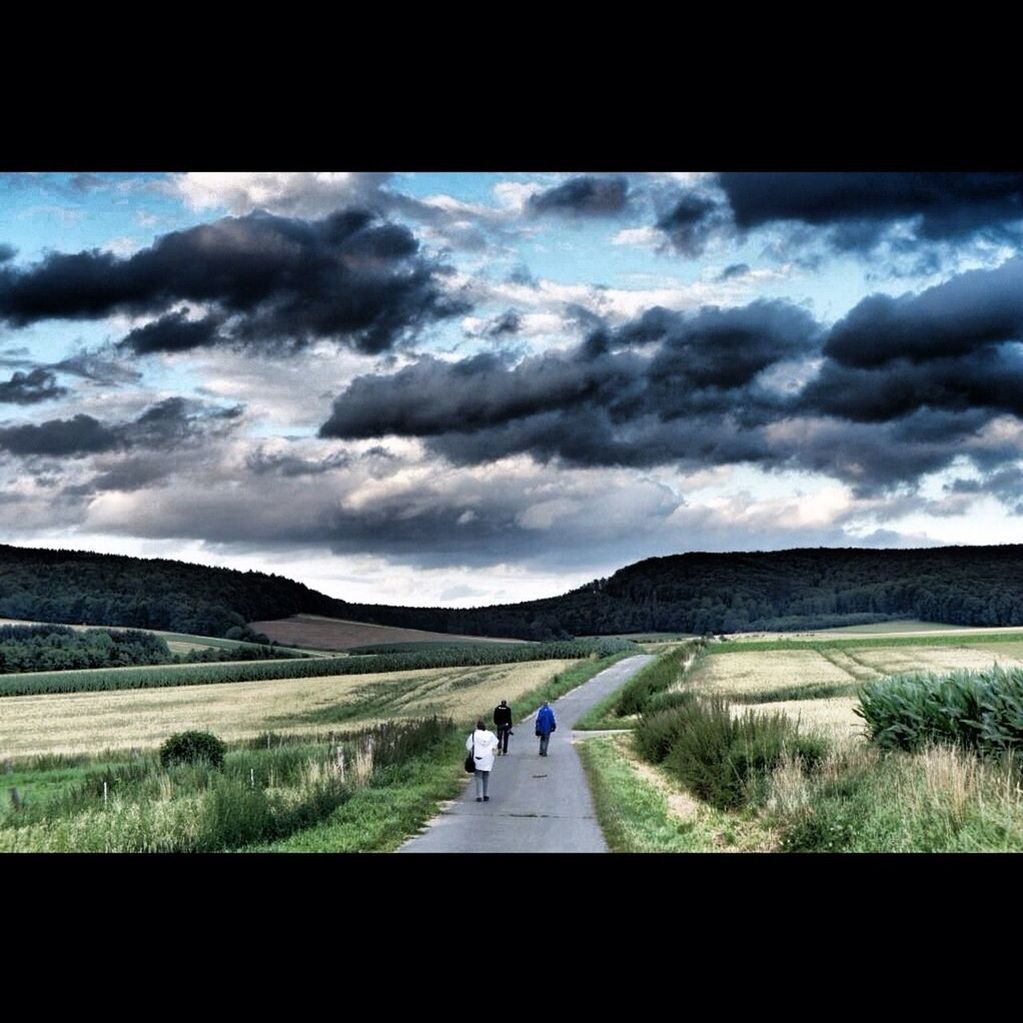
304,193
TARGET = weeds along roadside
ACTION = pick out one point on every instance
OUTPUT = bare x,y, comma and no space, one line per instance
269,788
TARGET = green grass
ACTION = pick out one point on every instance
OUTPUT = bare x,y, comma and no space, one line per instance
634,815
939,800
813,691
261,795
602,716
396,804
886,628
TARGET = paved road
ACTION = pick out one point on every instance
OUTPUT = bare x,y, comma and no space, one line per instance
537,804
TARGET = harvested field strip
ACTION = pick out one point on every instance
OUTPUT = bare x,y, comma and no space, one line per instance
970,639
852,665
746,672
94,721
339,634
833,714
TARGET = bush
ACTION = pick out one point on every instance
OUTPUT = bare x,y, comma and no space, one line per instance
656,677
193,748
723,759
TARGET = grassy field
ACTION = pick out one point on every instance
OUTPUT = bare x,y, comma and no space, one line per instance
337,634
121,719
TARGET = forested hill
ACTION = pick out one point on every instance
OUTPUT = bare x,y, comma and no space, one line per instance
794,589
805,588
79,587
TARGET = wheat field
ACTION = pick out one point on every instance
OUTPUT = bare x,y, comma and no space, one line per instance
141,718
765,669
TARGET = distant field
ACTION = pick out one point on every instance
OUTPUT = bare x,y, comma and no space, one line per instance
909,628
818,684
650,637
338,634
122,719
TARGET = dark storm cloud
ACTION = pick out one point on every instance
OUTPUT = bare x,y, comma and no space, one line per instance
600,403
689,222
1006,485
283,463
585,196
509,322
281,281
963,315
732,271
99,366
949,205
722,386
81,435
129,475
166,425
988,379
28,388
953,347
173,333
7,253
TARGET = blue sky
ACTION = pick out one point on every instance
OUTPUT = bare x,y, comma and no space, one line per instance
462,388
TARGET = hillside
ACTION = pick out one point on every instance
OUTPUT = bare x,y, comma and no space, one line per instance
697,593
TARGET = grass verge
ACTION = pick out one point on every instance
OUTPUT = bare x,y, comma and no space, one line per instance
640,813
395,805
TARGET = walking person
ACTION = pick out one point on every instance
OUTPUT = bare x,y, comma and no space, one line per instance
545,724
482,744
503,723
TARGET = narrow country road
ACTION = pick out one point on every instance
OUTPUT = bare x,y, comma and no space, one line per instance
537,804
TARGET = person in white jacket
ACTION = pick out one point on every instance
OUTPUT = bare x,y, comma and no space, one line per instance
482,744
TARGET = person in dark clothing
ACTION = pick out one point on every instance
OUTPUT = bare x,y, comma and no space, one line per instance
503,723
545,724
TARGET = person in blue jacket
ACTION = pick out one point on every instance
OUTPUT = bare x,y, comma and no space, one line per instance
545,724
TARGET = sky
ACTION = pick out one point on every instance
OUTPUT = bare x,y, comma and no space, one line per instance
472,388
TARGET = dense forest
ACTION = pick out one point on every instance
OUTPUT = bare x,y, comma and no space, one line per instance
60,648
699,593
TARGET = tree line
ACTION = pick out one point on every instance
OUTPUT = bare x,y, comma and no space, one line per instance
697,592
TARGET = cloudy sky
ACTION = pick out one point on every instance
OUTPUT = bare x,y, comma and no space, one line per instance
454,388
